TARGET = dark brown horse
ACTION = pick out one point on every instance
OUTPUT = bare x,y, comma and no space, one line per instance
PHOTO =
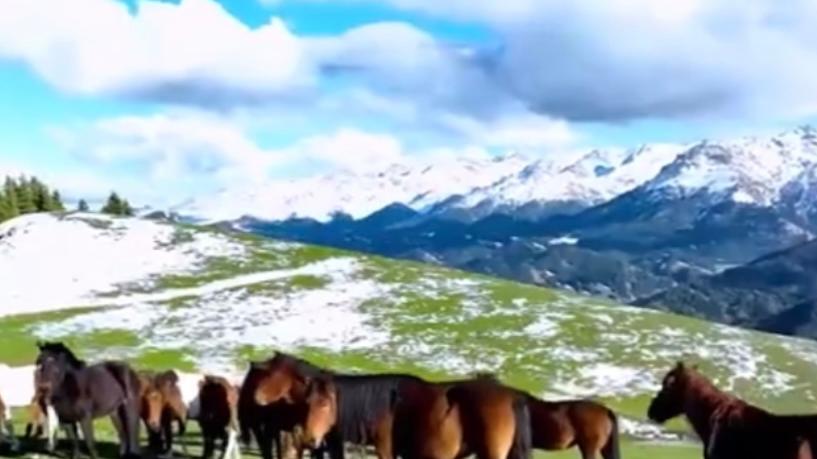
455,419
217,417
356,409
585,424
81,393
255,420
729,427
162,405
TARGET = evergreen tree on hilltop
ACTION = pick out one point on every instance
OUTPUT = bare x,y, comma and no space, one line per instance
25,198
4,206
41,195
56,202
10,195
113,205
127,210
83,206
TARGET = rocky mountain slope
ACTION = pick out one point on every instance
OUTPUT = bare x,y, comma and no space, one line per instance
623,224
199,299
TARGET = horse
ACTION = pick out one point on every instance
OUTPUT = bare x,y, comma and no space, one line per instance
256,420
81,393
452,420
275,393
162,404
585,424
352,408
729,427
217,417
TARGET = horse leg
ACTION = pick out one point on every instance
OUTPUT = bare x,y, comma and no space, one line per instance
131,422
209,444
263,437
71,433
182,432
52,425
116,420
87,426
588,452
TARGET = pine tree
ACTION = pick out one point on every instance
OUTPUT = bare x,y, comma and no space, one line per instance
10,192
113,206
56,202
83,206
25,197
40,195
4,207
126,208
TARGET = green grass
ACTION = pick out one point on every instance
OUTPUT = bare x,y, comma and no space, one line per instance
107,446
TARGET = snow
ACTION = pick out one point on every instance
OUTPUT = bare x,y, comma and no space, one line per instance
749,170
17,385
89,254
418,184
328,317
564,240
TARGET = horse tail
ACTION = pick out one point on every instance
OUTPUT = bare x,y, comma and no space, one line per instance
611,449
522,440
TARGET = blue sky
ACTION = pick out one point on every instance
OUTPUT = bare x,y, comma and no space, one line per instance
163,100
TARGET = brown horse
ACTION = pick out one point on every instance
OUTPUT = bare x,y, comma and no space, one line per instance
162,404
555,426
278,394
729,427
217,417
455,419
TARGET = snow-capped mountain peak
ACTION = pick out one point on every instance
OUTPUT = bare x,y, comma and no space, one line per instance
750,170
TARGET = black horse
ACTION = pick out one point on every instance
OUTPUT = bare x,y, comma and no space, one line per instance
81,393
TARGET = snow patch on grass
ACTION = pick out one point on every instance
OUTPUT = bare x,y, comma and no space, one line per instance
89,254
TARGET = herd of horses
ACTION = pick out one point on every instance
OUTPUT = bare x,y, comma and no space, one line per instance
288,403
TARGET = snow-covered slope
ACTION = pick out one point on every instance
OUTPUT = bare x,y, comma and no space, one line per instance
751,170
48,260
200,300
591,178
417,184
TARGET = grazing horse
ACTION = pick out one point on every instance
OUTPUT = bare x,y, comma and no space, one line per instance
162,404
555,426
217,417
357,409
729,427
81,393
455,419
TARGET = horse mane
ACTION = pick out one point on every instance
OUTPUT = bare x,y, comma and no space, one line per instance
363,399
301,366
61,349
486,376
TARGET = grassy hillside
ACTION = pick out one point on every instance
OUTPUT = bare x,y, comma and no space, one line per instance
356,312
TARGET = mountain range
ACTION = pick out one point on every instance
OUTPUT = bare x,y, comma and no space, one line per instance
676,227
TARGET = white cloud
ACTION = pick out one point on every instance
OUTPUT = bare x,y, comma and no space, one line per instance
170,52
628,59
350,149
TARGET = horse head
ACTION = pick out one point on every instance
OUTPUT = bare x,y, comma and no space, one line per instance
671,398
321,410
53,362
